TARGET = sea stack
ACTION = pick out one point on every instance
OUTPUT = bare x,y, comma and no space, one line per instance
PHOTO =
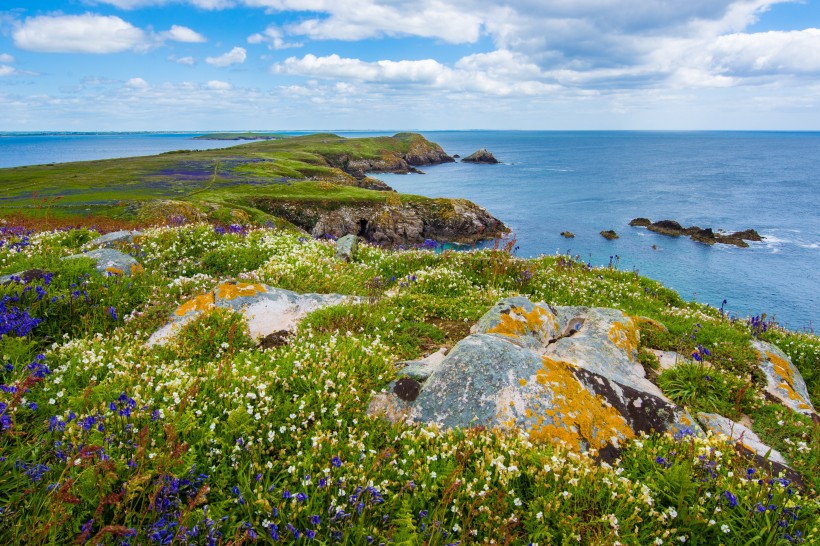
481,156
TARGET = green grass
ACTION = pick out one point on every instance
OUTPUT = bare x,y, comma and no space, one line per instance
124,439
236,176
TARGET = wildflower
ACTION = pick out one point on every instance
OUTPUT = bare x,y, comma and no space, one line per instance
112,312
725,528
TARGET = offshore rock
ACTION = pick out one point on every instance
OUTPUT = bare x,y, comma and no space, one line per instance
556,374
666,227
641,222
111,262
783,380
568,234
480,156
267,310
609,234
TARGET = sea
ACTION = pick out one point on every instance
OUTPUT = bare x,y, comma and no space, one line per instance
586,182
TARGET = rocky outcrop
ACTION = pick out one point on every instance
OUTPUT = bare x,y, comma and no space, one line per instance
609,234
111,262
448,220
705,236
480,156
783,380
567,234
411,150
267,310
556,374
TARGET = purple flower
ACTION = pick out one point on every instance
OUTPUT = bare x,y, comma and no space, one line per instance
112,312
336,461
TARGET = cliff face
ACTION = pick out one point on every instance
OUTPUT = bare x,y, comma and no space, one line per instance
449,220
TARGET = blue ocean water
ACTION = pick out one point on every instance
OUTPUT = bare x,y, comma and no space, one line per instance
586,182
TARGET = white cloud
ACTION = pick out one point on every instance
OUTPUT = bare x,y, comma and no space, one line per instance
183,34
137,83
6,70
274,37
189,61
796,52
6,58
135,4
235,56
87,33
478,73
217,85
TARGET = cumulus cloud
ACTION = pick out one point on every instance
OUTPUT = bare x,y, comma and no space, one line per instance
479,73
217,85
773,52
6,58
274,37
179,33
135,4
137,83
6,70
87,33
235,56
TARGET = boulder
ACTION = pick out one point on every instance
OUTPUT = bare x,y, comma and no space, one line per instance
730,240
346,247
568,234
744,436
609,234
669,359
666,227
267,310
111,262
480,156
705,236
555,374
640,222
783,380
113,239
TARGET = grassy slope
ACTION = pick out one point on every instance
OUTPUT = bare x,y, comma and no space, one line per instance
212,420
269,168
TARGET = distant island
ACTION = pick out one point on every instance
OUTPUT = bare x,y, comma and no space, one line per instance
241,136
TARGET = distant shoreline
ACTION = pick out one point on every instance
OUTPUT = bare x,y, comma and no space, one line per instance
240,136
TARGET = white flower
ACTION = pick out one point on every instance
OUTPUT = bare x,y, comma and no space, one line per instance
725,528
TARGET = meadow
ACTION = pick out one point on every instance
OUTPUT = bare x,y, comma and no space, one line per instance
214,439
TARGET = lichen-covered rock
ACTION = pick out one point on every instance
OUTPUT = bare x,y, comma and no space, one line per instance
266,309
111,262
546,372
346,247
26,277
113,239
741,434
783,379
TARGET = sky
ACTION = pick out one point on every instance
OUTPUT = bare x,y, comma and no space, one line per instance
201,65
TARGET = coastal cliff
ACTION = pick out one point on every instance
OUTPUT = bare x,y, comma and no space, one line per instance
317,182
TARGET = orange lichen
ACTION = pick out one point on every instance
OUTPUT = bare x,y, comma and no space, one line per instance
114,271
229,291
519,322
783,371
522,382
625,336
199,303
576,415
137,269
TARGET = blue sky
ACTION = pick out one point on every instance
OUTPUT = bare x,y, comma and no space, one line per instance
86,65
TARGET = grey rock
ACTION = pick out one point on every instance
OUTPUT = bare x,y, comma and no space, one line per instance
267,310
783,379
113,239
562,374
422,369
346,247
741,434
110,261
25,277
